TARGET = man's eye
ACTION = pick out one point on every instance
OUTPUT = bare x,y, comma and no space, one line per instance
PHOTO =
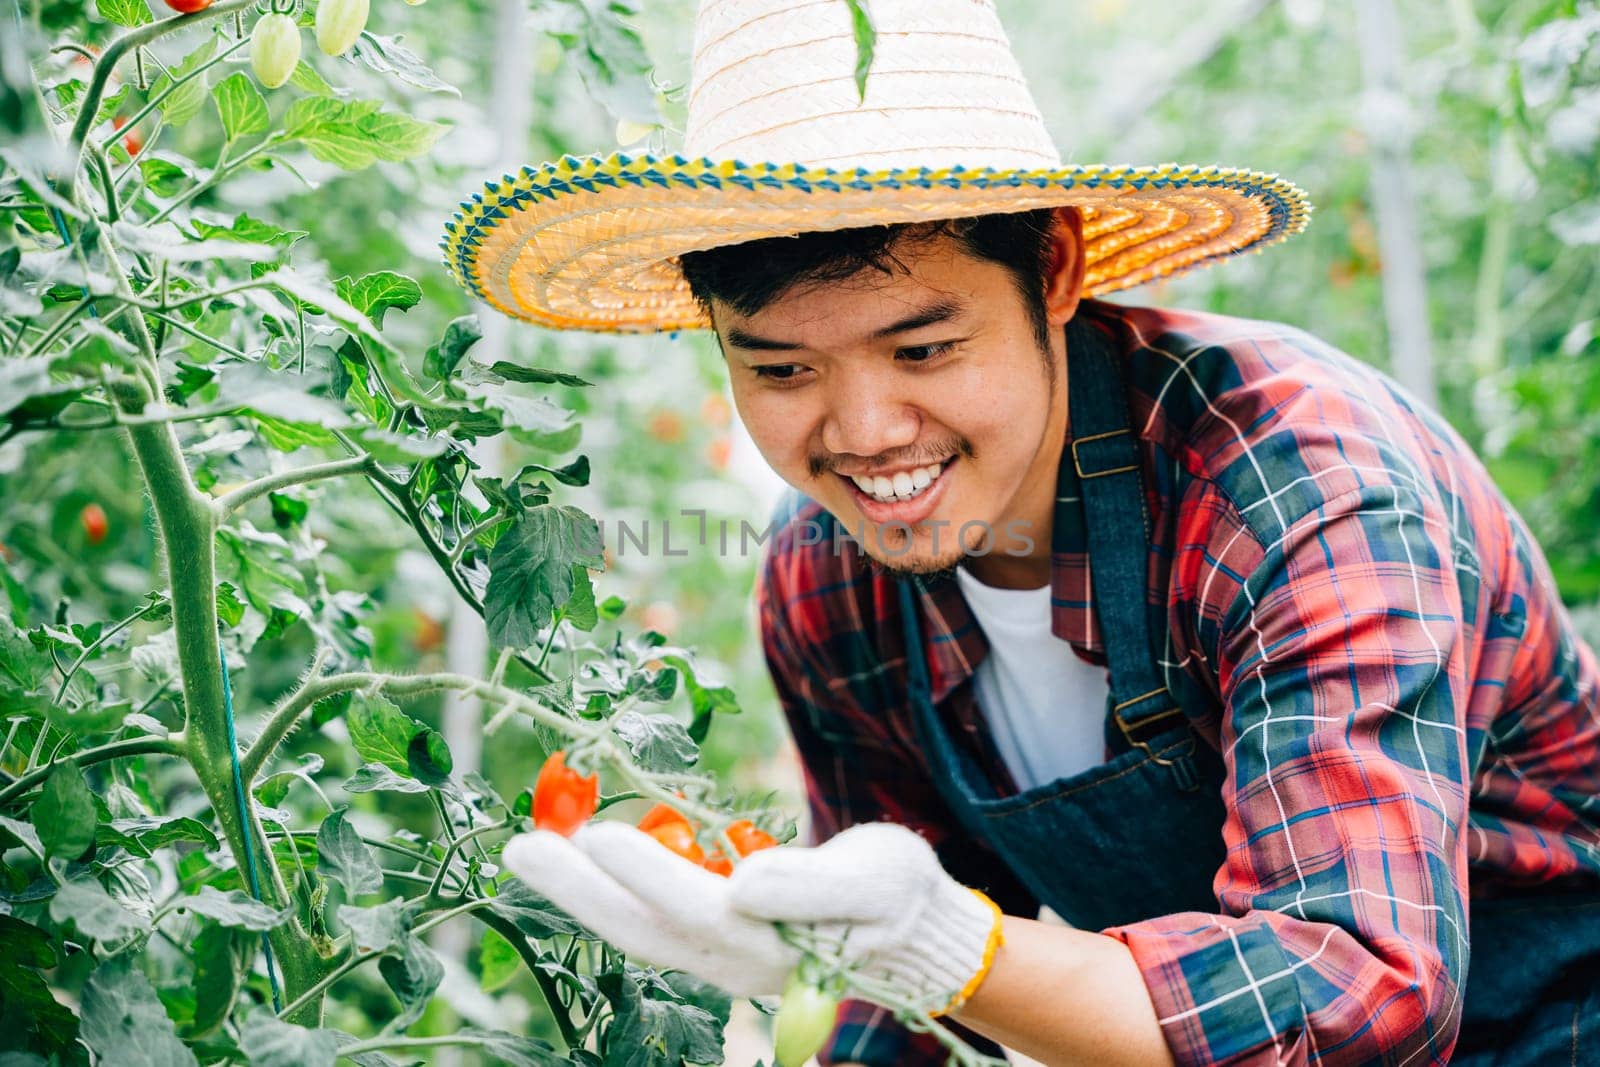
779,372
923,353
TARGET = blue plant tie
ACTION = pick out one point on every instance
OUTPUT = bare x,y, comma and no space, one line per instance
245,827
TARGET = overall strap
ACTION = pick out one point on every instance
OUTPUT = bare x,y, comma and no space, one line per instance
1102,468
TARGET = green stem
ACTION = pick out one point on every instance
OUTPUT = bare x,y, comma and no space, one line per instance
121,46
61,693
171,745
184,327
282,480
212,180
455,846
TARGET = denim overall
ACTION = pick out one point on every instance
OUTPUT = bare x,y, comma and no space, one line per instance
1140,835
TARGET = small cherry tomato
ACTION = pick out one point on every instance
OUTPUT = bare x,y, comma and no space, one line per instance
718,863
661,815
339,24
562,799
805,1019
188,7
679,838
274,49
747,837
95,524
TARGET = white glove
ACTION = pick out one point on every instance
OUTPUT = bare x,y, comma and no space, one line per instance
875,895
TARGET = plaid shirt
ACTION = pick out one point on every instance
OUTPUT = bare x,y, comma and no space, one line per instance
1378,651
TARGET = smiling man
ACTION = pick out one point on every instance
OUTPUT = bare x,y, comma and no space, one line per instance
1201,633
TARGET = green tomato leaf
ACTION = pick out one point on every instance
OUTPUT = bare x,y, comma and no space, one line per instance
381,732
165,177
387,55
866,44
374,294
656,1033
64,813
95,912
376,929
344,857
221,957
658,742
271,1042
375,777
49,1027
498,961
580,610
184,102
413,976
532,913
516,372
441,359
241,106
531,571
124,12
124,1022
428,757
354,134
235,908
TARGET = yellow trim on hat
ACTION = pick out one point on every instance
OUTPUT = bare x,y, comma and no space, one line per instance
592,243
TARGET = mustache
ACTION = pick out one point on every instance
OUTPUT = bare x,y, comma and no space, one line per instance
819,464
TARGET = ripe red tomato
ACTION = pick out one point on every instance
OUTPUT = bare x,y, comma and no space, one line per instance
679,838
95,524
747,837
562,799
661,815
131,141
718,863
188,7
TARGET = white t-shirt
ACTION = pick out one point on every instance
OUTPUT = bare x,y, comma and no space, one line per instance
1044,704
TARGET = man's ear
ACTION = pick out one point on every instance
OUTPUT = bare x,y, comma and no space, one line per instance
1064,286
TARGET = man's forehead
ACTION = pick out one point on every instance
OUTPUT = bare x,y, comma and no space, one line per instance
869,305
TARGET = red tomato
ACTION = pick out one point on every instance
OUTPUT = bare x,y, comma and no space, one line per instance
131,141
95,524
747,837
718,863
562,799
661,815
679,838
188,7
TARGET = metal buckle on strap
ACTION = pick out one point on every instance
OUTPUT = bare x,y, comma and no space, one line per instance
1142,741
1077,461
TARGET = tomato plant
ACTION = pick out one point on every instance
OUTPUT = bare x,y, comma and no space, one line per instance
563,800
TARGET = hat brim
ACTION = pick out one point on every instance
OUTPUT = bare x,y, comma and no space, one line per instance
592,243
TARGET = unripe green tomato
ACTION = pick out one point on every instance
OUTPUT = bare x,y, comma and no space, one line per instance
274,49
804,1022
414,3
339,24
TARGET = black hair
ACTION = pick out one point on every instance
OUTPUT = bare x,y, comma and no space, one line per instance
747,277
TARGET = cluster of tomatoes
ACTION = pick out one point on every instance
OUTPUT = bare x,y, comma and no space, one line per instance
564,800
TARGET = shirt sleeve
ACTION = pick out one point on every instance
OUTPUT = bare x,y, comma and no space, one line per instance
853,775
1342,657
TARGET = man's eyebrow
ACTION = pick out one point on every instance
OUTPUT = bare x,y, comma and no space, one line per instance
738,338
940,311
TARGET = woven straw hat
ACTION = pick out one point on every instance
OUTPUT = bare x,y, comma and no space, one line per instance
778,143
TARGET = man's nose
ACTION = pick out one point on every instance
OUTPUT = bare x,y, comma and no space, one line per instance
865,419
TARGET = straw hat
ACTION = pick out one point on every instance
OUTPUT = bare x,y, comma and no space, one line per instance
778,143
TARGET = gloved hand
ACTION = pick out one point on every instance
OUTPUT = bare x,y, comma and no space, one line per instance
874,894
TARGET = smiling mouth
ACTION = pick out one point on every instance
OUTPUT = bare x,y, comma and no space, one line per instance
903,485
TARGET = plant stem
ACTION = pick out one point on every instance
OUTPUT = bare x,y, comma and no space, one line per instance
455,846
171,745
121,46
282,480
61,693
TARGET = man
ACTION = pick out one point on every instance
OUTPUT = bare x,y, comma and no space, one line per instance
1201,633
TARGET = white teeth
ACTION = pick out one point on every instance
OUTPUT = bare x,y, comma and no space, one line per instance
903,486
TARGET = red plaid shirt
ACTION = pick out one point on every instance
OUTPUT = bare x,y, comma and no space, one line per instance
1402,703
